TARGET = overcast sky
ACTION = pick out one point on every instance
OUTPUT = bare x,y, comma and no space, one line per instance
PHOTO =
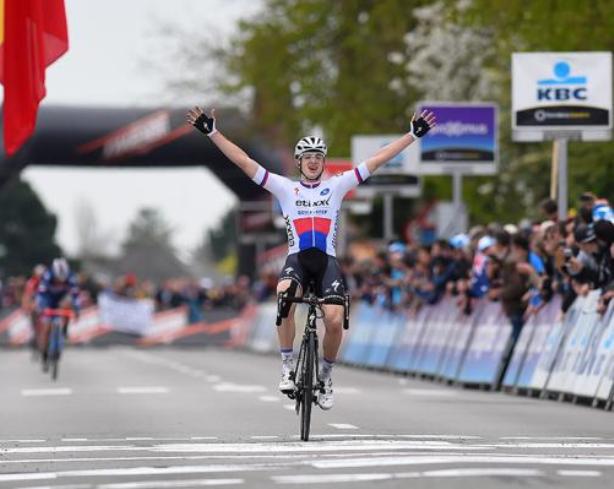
110,42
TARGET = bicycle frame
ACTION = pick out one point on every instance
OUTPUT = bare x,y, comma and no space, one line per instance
307,364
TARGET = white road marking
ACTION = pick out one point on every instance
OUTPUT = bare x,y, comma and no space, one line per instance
132,471
26,477
73,439
269,398
40,440
62,391
264,437
343,426
481,472
143,390
550,438
550,445
579,473
66,486
290,407
329,478
430,392
442,437
461,459
324,446
204,438
139,438
171,483
230,387
347,390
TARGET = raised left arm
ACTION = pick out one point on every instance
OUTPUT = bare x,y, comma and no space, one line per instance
418,128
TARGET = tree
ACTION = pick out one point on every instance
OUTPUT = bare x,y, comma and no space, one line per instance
27,230
148,250
92,241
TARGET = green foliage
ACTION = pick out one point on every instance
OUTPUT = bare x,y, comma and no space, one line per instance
148,250
27,230
344,67
555,25
318,63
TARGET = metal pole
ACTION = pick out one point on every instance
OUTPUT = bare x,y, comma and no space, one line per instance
457,190
554,172
388,216
562,167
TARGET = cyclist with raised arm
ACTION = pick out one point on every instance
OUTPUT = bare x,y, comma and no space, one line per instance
311,208
57,285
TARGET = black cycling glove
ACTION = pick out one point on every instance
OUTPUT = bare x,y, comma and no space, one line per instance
419,127
205,124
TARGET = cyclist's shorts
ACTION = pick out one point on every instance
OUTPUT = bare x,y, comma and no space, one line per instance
314,264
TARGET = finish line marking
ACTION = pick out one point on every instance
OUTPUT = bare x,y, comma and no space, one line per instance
170,484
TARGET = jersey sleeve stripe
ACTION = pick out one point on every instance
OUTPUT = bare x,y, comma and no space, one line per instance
357,173
265,178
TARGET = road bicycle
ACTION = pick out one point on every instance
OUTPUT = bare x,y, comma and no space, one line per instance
55,342
306,375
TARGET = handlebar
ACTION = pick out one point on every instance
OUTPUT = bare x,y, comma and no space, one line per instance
312,300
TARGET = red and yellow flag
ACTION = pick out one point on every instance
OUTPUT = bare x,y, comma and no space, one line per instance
33,35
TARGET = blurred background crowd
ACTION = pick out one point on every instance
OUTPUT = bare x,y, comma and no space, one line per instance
521,265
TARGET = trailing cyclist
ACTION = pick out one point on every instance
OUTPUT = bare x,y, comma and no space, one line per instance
28,302
58,286
311,208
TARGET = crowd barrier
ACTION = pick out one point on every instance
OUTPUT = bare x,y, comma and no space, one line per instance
570,357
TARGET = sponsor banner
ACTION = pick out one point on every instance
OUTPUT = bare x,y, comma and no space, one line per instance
386,331
460,335
398,175
263,337
492,331
404,353
437,330
569,342
567,90
541,325
581,382
133,316
362,328
464,139
603,366
19,329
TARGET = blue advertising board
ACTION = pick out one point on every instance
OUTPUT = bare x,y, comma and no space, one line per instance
464,139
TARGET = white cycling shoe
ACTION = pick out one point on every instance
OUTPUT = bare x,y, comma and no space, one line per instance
326,399
286,384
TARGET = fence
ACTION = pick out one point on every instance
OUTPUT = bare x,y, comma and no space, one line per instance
570,357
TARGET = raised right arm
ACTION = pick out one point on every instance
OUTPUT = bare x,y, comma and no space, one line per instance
206,125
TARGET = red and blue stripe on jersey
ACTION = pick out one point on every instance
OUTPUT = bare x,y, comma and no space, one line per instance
312,232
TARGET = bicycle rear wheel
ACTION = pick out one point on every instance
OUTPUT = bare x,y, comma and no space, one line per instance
307,394
54,352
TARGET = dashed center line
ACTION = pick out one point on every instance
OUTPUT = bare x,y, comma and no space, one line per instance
269,398
579,473
143,390
62,391
343,426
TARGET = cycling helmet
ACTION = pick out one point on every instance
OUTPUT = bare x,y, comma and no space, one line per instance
310,144
60,269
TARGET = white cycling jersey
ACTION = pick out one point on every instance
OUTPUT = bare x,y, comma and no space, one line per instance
311,211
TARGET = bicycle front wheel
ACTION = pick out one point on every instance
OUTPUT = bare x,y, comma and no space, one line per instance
307,394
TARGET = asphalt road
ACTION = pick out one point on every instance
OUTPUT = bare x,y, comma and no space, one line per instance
122,418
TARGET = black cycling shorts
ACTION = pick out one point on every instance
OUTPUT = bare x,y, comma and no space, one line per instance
315,265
